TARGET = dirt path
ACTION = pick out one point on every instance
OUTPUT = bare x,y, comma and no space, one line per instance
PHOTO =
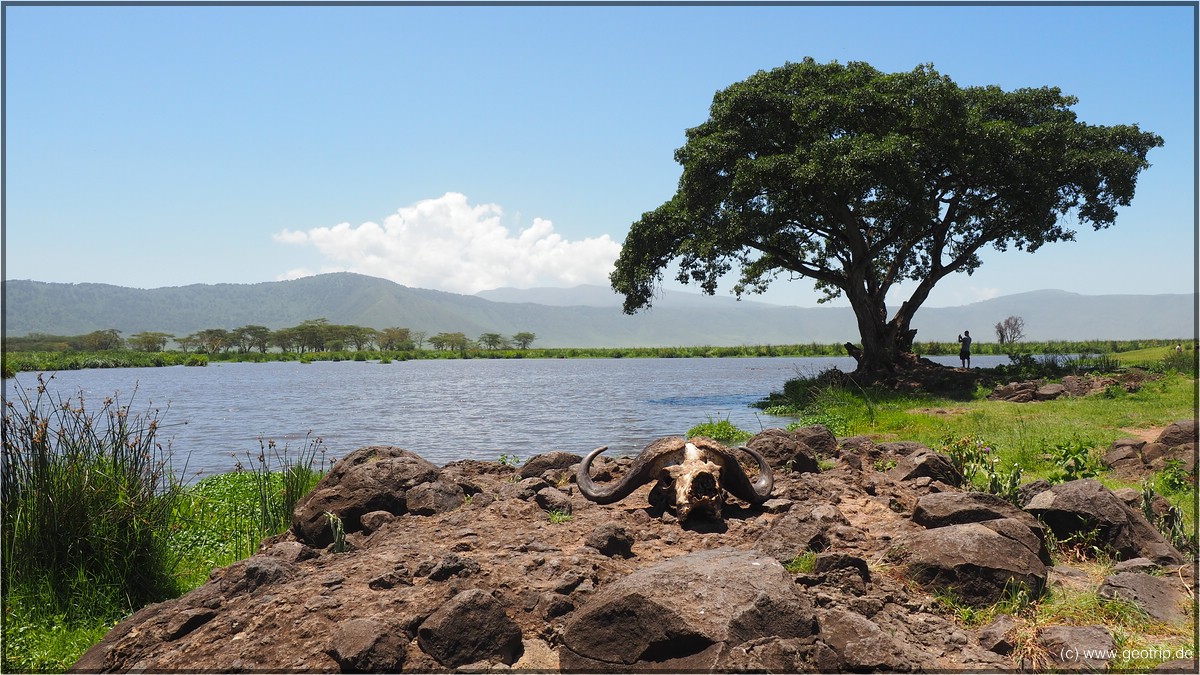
1149,435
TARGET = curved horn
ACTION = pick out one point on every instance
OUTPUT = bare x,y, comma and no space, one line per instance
737,483
645,468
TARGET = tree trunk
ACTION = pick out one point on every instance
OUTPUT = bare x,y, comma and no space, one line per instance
886,345
879,355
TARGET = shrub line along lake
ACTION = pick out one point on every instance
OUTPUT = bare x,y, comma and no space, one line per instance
443,410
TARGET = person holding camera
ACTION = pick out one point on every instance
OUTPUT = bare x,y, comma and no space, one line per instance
964,349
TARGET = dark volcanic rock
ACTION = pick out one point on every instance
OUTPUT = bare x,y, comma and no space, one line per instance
471,627
367,646
784,450
686,614
1086,505
492,584
540,464
975,561
438,496
940,509
861,645
1178,433
819,438
925,463
1159,596
611,540
1077,648
800,531
374,478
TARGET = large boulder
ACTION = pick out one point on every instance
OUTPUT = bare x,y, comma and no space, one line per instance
940,509
367,646
925,464
1078,648
862,645
1179,433
977,562
373,478
688,613
471,627
1176,443
549,461
800,531
1086,506
1161,597
785,450
1015,392
819,438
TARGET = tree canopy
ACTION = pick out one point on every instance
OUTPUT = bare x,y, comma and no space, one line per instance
861,180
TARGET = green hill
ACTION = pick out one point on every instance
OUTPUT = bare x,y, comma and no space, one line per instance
677,320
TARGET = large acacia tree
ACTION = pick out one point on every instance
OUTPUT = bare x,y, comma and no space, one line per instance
861,180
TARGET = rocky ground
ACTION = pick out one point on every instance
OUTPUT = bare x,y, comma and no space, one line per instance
482,566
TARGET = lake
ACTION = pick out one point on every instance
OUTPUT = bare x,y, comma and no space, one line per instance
443,410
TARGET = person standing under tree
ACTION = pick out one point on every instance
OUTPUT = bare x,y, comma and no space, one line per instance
964,350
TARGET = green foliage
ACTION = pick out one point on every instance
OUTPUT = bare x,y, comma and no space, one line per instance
1074,460
26,362
281,480
1174,479
509,460
802,564
787,147
1017,599
820,399
720,430
87,502
339,531
1177,361
95,525
1170,523
217,524
982,467
37,642
558,517
882,465
223,518
19,358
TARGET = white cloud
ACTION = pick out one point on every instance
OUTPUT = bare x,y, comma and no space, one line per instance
448,244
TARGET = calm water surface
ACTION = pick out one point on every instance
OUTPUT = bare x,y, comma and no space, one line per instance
443,410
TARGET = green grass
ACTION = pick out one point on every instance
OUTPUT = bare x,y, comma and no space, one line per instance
1141,643
86,509
558,517
720,430
1024,431
96,526
1036,437
802,564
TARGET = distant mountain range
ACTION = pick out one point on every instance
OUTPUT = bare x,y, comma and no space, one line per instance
584,316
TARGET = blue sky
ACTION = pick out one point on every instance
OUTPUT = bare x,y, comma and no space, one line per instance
464,148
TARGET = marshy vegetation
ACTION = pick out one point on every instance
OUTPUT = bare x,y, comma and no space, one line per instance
96,523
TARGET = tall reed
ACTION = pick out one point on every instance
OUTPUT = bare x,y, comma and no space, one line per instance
86,502
282,479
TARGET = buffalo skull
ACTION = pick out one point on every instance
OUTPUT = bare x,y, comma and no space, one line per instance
694,476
